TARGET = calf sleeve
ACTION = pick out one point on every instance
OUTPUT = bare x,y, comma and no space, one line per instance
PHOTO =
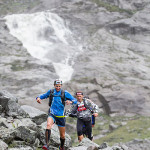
62,142
47,136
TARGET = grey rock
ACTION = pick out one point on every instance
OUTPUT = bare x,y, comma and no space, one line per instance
22,148
3,145
2,122
7,135
14,123
10,104
112,126
134,100
103,146
28,123
26,134
78,148
124,147
1,109
87,143
37,116
138,144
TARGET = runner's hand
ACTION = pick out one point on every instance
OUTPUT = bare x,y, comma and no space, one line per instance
68,102
38,100
95,114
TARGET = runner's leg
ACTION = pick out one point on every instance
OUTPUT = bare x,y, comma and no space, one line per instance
80,123
62,136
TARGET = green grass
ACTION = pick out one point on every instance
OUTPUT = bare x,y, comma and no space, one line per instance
136,128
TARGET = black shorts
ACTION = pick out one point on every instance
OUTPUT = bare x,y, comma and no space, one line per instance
59,121
84,130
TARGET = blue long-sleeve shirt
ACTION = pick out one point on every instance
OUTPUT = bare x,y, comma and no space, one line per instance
57,107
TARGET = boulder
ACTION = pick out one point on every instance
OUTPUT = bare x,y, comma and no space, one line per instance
22,148
79,148
26,134
87,143
128,101
7,135
37,116
3,145
10,105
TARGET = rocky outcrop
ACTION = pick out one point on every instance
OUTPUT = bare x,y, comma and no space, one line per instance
37,116
135,144
26,128
10,105
3,145
115,40
115,59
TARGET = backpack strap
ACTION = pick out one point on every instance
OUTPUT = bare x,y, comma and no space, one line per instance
63,97
86,106
52,95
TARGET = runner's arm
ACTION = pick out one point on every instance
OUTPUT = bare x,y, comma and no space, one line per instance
43,96
69,97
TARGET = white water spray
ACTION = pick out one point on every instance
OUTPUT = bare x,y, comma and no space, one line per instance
47,38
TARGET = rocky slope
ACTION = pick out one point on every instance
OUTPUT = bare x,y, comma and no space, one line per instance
113,68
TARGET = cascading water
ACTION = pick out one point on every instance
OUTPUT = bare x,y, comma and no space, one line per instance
46,37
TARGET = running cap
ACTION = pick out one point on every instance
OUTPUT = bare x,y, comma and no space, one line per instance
57,81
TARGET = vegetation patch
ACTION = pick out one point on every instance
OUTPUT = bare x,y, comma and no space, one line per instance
17,66
17,6
112,8
133,128
136,127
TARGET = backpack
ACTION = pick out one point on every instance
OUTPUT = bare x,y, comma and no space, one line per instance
86,106
52,95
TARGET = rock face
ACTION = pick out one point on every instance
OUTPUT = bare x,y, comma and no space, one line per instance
113,68
37,116
115,57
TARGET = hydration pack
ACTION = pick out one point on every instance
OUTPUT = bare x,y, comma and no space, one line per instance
52,95
86,106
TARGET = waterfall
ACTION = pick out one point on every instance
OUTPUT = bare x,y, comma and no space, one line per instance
46,37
